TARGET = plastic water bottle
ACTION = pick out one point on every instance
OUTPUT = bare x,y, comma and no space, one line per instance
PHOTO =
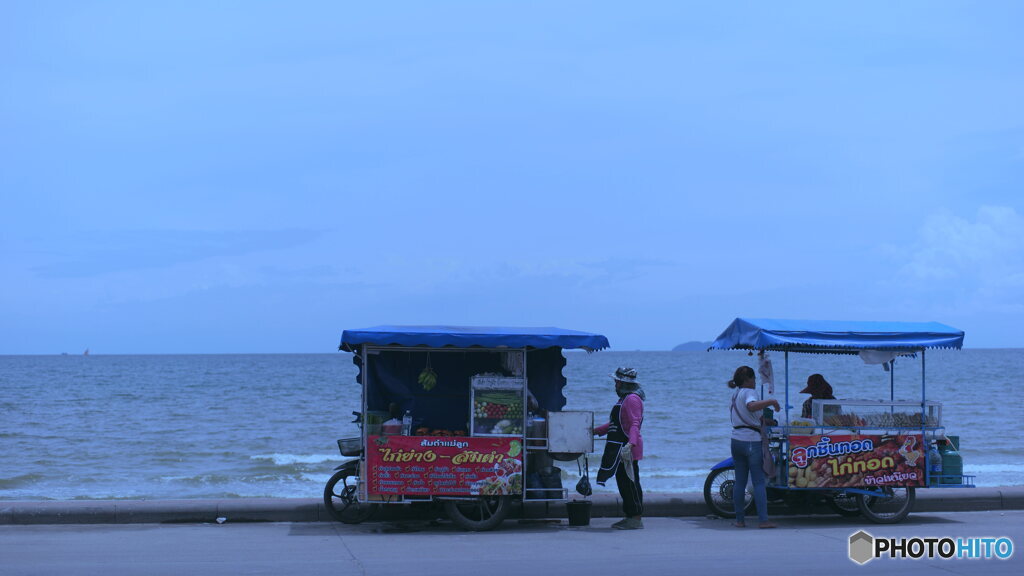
407,424
934,465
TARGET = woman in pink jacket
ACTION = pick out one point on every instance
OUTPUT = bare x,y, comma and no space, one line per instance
625,447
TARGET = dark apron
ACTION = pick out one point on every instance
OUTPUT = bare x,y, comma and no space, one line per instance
611,458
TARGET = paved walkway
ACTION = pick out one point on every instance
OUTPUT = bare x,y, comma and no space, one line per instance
312,509
682,545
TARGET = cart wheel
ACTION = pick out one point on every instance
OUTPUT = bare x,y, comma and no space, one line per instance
478,514
889,505
846,504
340,498
718,492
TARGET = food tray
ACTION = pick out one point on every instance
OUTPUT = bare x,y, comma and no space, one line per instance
876,414
801,426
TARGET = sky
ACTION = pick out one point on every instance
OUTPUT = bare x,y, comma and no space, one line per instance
256,177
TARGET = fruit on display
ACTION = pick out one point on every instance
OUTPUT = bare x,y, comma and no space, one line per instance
498,412
484,409
428,378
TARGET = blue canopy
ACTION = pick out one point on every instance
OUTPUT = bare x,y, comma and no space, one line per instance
836,336
391,375
472,336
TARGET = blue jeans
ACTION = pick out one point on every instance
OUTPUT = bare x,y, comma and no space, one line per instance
748,459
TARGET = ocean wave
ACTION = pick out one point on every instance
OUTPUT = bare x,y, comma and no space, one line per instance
19,481
292,459
200,480
992,468
670,474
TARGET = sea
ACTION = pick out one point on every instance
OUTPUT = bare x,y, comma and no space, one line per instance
266,425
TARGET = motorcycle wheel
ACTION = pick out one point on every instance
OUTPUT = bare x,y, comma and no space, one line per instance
845,504
478,514
718,493
341,500
891,505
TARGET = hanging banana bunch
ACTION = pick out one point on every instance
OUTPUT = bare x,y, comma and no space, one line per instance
428,378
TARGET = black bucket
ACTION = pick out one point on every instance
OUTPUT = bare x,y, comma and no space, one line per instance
578,512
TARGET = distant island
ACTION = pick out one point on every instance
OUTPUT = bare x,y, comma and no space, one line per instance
692,347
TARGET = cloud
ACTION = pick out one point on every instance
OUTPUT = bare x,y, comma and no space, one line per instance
554,276
982,258
87,254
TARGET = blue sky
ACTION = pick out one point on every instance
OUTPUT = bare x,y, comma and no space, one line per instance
258,176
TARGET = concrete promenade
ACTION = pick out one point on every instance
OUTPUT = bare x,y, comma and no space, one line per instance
605,505
670,546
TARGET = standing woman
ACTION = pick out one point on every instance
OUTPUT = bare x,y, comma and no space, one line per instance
625,447
747,453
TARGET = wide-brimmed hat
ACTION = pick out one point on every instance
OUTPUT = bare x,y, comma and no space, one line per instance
626,376
817,386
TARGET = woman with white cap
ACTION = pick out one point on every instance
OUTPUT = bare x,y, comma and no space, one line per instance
625,448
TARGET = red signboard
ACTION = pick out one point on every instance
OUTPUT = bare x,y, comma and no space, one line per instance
856,460
443,466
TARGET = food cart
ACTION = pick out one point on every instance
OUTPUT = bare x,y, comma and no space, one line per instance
467,417
862,456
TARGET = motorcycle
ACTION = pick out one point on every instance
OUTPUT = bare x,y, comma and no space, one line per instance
718,495
341,492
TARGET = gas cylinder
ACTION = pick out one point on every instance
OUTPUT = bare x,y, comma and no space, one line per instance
952,463
934,466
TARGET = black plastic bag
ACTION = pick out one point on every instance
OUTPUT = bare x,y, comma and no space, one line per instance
583,486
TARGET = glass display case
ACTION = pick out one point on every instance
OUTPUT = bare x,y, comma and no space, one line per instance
875,414
496,405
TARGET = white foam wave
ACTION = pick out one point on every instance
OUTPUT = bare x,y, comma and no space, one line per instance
665,473
992,468
290,459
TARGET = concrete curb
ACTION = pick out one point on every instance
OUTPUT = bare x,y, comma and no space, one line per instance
312,509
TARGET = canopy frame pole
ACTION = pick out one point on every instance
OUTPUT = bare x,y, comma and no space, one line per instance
362,488
923,395
925,444
760,384
782,476
892,380
786,356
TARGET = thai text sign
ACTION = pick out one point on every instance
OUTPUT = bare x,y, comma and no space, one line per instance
443,466
850,460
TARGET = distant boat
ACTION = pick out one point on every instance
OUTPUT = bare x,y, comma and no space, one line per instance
86,353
